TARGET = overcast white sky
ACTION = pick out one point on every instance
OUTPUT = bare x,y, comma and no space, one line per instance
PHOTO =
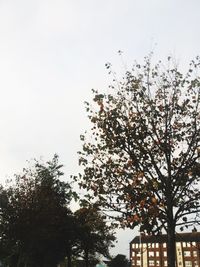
52,52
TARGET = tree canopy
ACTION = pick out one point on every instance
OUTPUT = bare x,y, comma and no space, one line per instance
37,226
142,157
119,261
36,222
95,237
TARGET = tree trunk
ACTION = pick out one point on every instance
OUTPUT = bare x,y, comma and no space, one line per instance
171,245
69,260
86,259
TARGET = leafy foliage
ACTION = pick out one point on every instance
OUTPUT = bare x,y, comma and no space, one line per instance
37,227
119,261
94,235
36,223
143,158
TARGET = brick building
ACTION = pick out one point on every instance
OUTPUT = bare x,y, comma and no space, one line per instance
151,251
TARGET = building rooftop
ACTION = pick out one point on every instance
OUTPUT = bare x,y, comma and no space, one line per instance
180,237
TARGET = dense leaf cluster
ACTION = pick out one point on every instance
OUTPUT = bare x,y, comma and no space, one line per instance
95,235
37,227
119,261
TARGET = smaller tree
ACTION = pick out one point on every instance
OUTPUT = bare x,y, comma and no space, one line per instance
36,222
119,261
94,235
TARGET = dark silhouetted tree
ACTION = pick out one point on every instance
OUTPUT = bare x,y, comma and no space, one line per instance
119,261
142,159
95,237
36,222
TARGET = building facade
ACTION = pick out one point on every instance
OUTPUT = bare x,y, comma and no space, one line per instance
151,251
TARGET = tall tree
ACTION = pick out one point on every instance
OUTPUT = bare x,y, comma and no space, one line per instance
95,237
142,161
36,222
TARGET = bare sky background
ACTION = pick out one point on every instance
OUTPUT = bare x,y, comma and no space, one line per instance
53,52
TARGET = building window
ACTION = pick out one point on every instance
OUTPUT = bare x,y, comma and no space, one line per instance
184,244
133,245
188,245
136,245
187,253
157,245
153,245
194,244
188,264
133,253
194,253
165,263
196,264
133,262
164,245
180,263
165,253
157,263
151,253
157,253
138,262
151,263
